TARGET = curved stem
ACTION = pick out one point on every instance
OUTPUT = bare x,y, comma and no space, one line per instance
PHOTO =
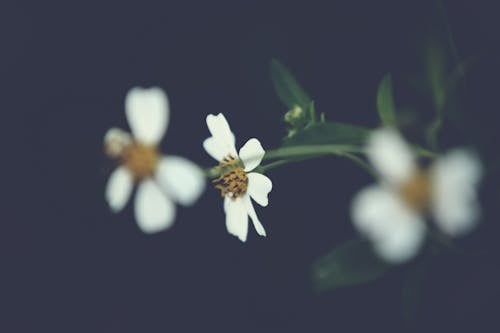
290,154
357,160
362,164
211,172
307,150
424,152
272,165
275,164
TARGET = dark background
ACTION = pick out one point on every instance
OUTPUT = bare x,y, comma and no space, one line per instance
70,265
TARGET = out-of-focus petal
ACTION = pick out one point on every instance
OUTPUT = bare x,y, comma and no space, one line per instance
396,231
181,179
236,218
221,132
154,212
371,209
253,216
251,154
147,113
119,188
259,187
455,178
390,155
404,241
115,141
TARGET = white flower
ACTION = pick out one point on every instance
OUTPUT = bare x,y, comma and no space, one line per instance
391,214
236,183
161,179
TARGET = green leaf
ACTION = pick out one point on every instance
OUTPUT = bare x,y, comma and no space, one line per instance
329,133
288,89
385,102
436,74
436,67
351,263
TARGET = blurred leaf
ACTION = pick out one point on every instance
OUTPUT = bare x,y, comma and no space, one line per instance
329,133
436,73
287,88
351,263
437,77
440,76
385,102
444,72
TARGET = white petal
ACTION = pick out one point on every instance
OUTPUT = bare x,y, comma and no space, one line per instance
219,127
371,208
115,141
221,132
181,179
455,178
236,218
118,188
404,242
396,231
251,154
390,155
251,212
147,112
214,149
153,210
259,187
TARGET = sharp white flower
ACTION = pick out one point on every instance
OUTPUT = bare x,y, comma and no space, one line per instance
391,214
236,181
161,179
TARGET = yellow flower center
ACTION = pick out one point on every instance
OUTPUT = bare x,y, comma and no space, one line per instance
140,159
232,180
417,192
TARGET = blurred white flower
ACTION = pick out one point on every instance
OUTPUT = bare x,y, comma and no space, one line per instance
236,183
161,179
391,214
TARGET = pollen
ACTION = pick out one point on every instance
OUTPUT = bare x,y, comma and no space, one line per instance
140,159
232,180
416,192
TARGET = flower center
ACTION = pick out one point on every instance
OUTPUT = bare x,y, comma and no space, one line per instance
416,192
233,180
140,159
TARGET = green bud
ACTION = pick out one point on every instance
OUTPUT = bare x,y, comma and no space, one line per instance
296,117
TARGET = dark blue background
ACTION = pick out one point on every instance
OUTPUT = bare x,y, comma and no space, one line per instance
69,265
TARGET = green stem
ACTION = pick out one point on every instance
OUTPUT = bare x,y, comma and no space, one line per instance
424,152
449,32
210,173
310,152
362,164
272,165
316,150
291,154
